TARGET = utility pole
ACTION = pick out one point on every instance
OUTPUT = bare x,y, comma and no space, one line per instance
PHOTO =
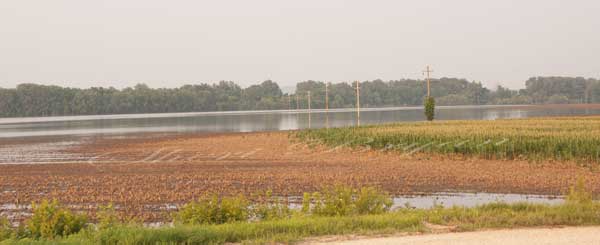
428,71
309,109
590,95
587,92
326,106
326,97
357,104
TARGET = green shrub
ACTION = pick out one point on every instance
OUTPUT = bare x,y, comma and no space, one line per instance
212,210
579,194
268,208
50,220
5,229
107,217
20,231
369,200
306,203
334,201
344,201
429,108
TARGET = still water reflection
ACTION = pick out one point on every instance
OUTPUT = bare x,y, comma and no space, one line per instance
260,120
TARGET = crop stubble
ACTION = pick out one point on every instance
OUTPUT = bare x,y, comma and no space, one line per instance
150,176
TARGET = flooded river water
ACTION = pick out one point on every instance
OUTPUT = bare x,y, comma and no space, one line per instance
250,121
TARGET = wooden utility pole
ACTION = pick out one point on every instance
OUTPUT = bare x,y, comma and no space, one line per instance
326,97
326,106
587,92
308,109
357,104
428,72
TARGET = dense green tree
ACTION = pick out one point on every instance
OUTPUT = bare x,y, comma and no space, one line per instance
264,96
540,89
8,102
317,93
41,100
453,99
558,99
342,95
227,96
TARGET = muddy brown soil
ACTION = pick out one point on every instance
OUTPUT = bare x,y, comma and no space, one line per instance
146,176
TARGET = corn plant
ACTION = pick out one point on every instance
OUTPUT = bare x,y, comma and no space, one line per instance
560,138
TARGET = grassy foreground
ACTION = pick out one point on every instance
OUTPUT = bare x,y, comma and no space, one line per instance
333,217
559,138
296,228
335,210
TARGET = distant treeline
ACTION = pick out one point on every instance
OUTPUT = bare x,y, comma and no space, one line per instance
41,100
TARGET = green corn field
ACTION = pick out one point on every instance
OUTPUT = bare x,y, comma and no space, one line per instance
557,138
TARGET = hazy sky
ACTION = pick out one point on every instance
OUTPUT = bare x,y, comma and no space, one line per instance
84,43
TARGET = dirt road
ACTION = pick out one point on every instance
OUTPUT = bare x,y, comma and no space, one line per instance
546,236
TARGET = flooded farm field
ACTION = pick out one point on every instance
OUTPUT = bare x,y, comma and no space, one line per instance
146,175
149,166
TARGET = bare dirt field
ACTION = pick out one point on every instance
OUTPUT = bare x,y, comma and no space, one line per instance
149,176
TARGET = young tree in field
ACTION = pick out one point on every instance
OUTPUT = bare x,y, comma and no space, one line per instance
429,108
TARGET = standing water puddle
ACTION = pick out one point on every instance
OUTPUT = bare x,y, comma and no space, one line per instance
462,199
450,199
420,201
